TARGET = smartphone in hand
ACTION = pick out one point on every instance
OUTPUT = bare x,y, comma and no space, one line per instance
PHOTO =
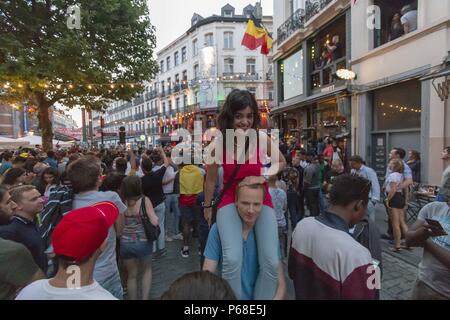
437,228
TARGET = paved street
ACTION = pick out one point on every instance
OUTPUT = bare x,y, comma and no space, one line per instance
399,269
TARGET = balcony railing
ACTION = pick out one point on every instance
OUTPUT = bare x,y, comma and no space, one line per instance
325,76
299,18
192,108
262,103
292,24
138,100
313,7
240,76
138,116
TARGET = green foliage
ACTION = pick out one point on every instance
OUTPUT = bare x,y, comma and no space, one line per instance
39,52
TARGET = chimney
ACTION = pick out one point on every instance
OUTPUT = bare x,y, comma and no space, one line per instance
258,10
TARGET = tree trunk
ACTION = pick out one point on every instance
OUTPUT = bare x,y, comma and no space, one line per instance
46,125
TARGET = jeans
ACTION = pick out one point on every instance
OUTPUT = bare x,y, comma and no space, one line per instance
294,208
371,211
266,231
160,243
322,205
172,213
313,198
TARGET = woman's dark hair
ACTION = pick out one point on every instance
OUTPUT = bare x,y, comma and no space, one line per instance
12,175
54,173
7,156
131,188
121,165
237,100
112,182
199,285
415,154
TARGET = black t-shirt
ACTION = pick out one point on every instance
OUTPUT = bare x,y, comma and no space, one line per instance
330,175
25,232
152,186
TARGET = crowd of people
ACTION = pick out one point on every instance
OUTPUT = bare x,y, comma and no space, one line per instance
79,218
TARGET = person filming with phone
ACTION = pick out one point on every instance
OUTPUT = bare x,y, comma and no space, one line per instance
431,231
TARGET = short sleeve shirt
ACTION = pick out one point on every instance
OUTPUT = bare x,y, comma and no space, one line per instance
152,186
250,265
432,271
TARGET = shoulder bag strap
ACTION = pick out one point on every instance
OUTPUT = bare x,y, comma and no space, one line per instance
143,211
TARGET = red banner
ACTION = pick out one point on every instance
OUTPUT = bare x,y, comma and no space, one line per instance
74,133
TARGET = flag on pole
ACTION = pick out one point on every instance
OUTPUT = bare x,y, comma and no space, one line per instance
257,36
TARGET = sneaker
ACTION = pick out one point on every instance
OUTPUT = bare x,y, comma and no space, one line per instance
162,253
178,237
185,253
169,239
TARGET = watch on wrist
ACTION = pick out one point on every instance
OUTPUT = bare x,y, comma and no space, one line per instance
204,206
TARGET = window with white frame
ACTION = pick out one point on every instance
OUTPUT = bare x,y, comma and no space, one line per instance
209,40
228,40
176,58
161,66
168,63
183,54
228,13
229,65
196,71
194,47
251,66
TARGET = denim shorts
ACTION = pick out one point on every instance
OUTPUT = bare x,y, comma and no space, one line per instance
189,214
135,250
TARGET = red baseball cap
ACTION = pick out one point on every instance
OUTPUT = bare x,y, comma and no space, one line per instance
82,231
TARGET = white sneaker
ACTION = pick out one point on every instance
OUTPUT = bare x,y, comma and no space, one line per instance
178,237
168,239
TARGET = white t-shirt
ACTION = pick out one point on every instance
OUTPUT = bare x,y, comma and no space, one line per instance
42,290
394,177
411,18
431,271
445,176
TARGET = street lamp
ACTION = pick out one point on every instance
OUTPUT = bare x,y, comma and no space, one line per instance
345,74
443,88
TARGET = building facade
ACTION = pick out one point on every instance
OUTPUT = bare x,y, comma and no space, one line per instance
387,105
16,121
197,71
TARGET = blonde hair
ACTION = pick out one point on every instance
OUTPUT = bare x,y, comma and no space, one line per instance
398,165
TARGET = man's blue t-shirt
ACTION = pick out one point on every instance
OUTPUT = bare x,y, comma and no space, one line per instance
5,166
250,265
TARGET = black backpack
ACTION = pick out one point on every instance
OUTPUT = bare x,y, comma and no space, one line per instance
59,203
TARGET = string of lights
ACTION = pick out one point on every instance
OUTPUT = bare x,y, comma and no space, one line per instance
58,86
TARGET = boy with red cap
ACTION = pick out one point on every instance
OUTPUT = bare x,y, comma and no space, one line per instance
78,240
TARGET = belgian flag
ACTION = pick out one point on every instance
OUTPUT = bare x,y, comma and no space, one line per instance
257,36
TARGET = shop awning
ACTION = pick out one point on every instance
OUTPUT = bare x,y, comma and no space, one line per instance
309,100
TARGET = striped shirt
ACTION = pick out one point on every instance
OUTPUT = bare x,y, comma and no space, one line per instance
325,262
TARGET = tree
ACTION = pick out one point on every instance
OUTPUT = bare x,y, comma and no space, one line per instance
43,61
